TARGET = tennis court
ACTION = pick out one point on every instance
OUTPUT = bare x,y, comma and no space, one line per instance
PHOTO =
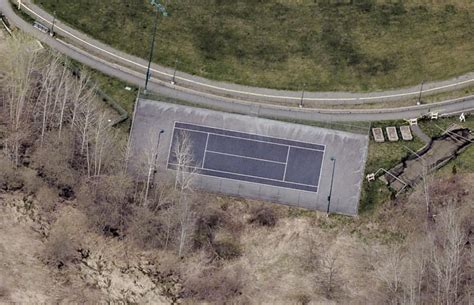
249,157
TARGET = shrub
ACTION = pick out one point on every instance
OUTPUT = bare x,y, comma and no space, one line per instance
206,224
53,159
9,179
214,285
106,203
47,199
61,249
146,230
65,239
303,299
264,216
31,182
364,5
4,292
227,249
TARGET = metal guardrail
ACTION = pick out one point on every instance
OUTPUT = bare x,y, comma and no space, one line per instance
5,24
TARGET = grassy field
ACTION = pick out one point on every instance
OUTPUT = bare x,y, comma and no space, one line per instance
284,43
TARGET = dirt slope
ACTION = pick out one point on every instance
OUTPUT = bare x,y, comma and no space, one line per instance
24,279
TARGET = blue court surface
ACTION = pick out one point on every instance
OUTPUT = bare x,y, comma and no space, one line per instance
249,157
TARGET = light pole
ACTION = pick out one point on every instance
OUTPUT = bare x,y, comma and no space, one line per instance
52,27
156,154
174,73
332,181
421,90
302,95
158,9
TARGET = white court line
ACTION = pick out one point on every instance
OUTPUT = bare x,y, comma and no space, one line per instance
244,92
234,137
260,141
239,156
257,183
243,175
286,163
244,157
205,150
321,168
249,133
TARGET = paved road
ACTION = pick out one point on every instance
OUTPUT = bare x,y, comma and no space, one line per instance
238,91
191,95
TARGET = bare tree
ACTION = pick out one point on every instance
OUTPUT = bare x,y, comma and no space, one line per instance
68,84
103,141
151,157
448,255
46,94
18,65
414,270
81,92
390,272
322,266
329,274
186,169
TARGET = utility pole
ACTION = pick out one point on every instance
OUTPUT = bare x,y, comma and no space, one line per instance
174,73
332,181
421,90
52,27
158,9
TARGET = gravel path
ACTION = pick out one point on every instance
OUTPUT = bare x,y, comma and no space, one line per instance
420,134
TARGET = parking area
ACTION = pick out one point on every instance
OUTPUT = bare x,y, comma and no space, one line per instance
253,157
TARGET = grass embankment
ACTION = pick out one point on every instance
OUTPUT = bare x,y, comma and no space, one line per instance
386,155
383,155
116,89
283,44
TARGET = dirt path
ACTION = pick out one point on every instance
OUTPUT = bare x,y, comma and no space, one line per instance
420,134
430,158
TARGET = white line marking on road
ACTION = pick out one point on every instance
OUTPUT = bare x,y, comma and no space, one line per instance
324,111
